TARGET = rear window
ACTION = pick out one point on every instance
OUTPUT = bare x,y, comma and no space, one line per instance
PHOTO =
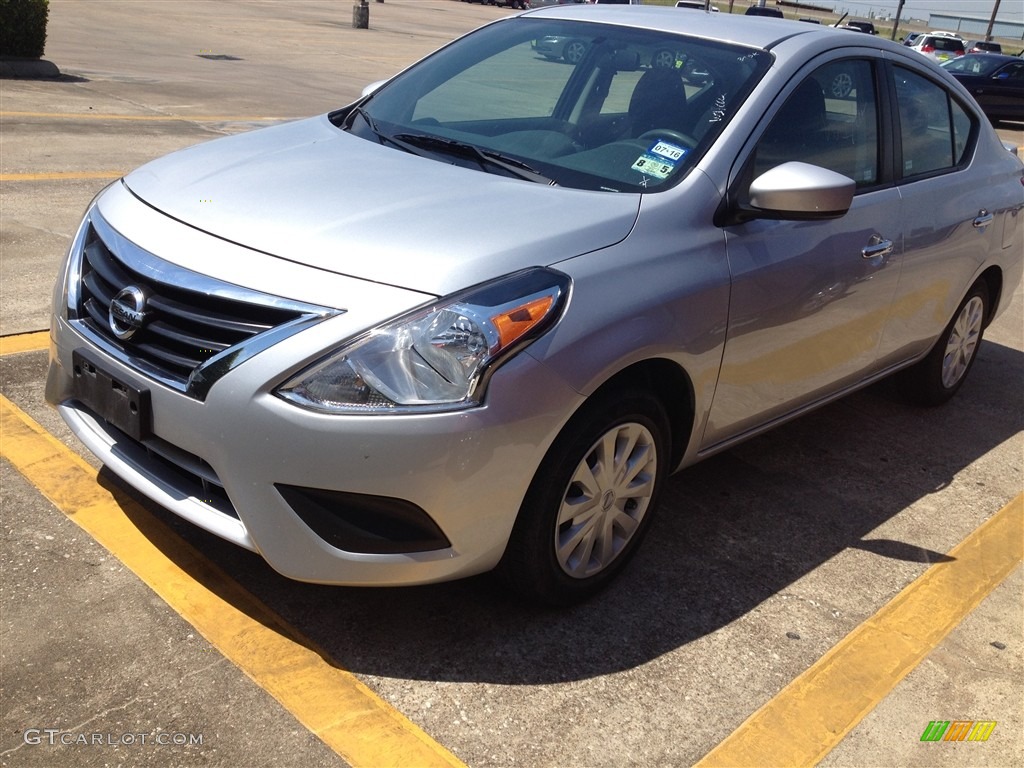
946,44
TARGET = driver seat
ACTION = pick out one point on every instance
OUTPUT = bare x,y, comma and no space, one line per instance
658,101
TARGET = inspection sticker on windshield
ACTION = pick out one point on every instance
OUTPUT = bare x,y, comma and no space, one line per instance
660,160
670,152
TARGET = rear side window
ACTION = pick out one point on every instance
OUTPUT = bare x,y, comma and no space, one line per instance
1014,72
934,128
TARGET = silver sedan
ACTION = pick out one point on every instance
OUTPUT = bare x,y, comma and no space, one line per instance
475,319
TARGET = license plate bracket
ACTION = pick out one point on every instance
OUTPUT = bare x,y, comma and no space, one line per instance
118,400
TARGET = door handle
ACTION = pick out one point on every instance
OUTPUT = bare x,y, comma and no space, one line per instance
877,246
983,219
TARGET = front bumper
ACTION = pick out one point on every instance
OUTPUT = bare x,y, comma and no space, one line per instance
222,462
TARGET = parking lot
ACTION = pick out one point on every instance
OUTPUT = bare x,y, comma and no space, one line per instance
818,595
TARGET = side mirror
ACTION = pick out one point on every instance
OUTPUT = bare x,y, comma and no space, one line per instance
799,191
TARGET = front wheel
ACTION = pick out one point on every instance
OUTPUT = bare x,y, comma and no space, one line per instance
663,59
936,379
590,502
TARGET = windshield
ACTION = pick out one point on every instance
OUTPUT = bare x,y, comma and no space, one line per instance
574,104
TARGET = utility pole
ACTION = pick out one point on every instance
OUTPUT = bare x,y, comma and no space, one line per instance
896,25
992,20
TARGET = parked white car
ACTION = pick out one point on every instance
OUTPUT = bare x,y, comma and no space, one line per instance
697,5
939,48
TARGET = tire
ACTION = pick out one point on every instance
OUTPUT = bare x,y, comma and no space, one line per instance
664,59
841,85
938,376
591,501
574,51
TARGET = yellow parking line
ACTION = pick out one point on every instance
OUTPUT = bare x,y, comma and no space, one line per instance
331,702
145,118
811,715
24,342
61,176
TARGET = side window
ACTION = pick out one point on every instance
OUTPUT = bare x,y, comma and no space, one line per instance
934,129
1014,73
830,120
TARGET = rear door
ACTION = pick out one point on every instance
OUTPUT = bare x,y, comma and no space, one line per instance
949,211
1003,94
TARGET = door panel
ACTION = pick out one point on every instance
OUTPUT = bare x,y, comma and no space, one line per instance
810,299
807,311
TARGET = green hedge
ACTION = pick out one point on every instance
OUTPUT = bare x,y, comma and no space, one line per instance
23,27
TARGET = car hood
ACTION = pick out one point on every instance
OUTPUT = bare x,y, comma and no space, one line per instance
311,193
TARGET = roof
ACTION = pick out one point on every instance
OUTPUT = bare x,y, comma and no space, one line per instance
754,31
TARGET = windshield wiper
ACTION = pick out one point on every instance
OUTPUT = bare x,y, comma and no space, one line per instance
370,122
485,157
414,143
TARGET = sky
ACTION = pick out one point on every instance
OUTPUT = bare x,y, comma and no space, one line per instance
1009,10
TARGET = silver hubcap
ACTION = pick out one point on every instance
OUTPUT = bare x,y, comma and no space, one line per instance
605,500
842,84
962,342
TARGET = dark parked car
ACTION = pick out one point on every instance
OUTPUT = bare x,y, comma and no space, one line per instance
982,46
515,4
995,81
861,26
758,10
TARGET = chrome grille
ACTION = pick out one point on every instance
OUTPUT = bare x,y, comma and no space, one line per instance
192,335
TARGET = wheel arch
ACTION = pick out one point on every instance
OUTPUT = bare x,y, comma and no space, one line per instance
671,385
993,279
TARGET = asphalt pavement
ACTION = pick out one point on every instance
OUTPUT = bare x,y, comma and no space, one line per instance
807,565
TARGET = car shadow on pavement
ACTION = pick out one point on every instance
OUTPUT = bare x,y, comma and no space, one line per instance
731,533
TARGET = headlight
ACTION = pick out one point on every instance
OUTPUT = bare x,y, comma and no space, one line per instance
437,358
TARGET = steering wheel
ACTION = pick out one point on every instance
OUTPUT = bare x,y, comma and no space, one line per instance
666,133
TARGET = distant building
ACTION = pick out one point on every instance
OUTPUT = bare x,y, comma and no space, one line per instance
973,27
798,6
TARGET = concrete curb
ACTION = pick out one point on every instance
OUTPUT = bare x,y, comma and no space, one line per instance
28,69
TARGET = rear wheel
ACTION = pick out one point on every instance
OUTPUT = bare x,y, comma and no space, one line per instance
591,501
841,85
574,51
936,379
